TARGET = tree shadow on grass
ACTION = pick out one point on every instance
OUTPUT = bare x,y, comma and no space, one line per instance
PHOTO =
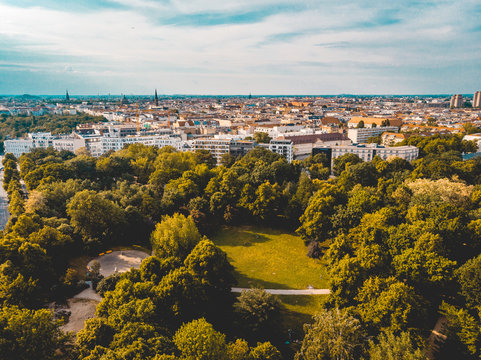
294,321
250,282
242,238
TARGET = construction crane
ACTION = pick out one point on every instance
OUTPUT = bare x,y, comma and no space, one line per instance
138,119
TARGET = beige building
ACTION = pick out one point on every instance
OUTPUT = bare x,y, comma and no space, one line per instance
371,121
456,101
361,135
391,138
477,99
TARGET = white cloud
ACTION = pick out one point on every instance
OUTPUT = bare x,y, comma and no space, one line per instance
279,52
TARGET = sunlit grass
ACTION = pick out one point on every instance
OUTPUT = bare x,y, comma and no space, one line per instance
270,259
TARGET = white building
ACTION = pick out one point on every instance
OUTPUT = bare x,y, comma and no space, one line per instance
118,143
368,152
283,147
360,135
474,137
43,140
18,146
96,144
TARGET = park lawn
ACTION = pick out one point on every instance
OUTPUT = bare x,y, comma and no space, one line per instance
271,259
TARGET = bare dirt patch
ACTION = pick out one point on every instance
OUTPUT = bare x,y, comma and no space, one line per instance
119,261
81,310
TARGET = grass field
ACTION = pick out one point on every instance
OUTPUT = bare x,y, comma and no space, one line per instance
270,259
274,259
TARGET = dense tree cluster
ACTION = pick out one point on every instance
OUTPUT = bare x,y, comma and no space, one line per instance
401,241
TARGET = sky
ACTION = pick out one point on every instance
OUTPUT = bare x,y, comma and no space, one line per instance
218,47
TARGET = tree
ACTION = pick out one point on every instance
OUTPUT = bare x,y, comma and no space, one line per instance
99,221
267,201
394,347
258,313
262,138
175,236
227,160
17,290
360,124
340,163
364,173
265,351
315,222
198,340
108,283
463,333
30,334
210,265
238,350
391,304
97,332
469,278
17,204
334,335
205,157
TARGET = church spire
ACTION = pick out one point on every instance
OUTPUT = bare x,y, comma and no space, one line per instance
156,98
67,97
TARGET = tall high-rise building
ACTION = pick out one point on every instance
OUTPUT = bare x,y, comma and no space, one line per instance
477,99
156,98
456,101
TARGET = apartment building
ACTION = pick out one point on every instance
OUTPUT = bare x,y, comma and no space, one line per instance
391,138
360,135
283,147
477,99
217,147
369,151
456,101
43,140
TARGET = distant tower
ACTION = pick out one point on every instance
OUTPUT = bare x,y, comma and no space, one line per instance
250,95
124,100
156,98
67,97
477,99
456,101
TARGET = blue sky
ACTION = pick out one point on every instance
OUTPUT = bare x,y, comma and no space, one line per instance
238,47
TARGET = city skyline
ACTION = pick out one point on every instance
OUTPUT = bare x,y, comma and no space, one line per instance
217,48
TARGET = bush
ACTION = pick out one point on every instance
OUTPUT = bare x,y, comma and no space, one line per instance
108,283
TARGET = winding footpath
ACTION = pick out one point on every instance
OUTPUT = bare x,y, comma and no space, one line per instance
289,292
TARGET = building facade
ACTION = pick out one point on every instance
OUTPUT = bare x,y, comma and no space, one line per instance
283,147
368,152
477,99
360,135
456,101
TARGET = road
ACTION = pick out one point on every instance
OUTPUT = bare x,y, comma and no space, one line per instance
4,215
290,292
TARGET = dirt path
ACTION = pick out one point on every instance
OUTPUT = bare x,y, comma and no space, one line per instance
290,292
82,306
81,310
